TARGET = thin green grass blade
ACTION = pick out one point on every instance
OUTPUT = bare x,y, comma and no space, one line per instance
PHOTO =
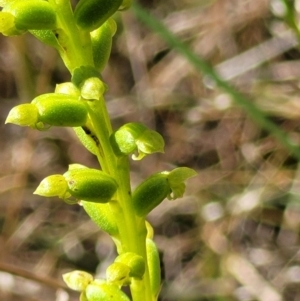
204,67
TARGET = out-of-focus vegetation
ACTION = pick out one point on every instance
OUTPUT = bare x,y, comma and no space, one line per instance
235,234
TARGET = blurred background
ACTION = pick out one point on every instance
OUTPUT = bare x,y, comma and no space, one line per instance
234,236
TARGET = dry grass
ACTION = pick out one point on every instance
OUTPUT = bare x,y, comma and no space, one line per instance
234,236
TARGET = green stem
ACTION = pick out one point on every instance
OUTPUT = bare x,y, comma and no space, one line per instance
76,44
132,229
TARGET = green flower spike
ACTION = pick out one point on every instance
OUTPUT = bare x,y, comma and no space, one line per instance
135,137
77,280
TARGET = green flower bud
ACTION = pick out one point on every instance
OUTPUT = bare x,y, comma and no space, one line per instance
90,185
159,186
101,43
102,216
150,193
136,137
118,273
92,88
77,280
32,14
99,290
135,262
82,73
60,110
23,115
68,89
91,14
153,262
54,185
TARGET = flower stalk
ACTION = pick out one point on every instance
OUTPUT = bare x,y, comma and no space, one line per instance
83,39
